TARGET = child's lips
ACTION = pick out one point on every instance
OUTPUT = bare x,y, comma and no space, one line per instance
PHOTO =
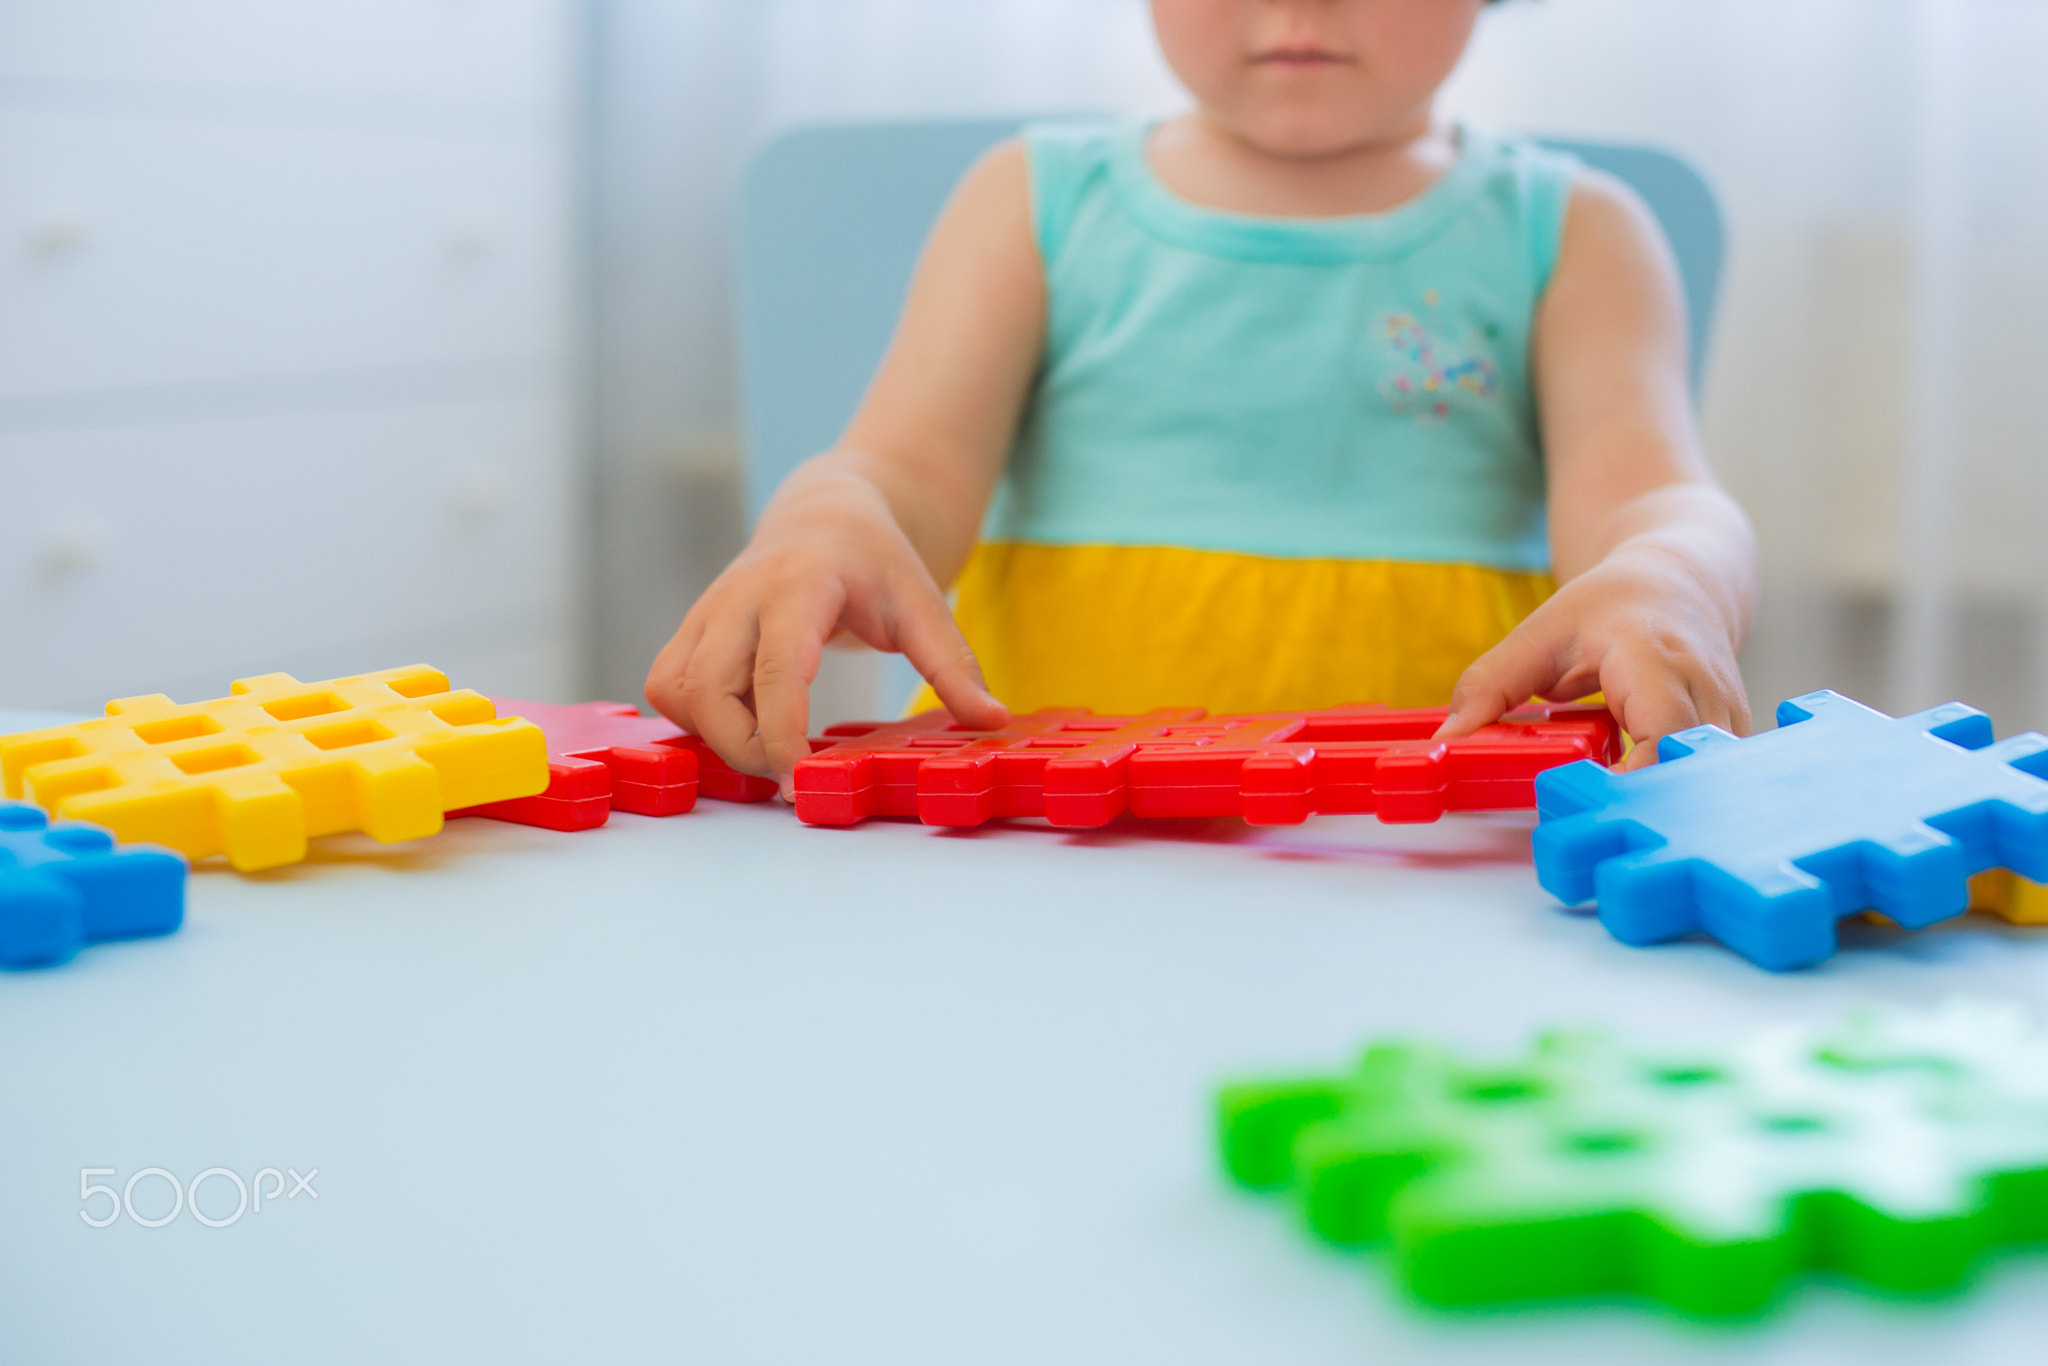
1299,58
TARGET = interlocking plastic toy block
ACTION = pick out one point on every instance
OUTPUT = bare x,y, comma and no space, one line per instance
605,757
1897,1150
1765,843
602,757
65,886
721,781
254,774
1078,769
2006,894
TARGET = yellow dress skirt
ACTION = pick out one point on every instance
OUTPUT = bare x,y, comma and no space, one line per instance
1122,629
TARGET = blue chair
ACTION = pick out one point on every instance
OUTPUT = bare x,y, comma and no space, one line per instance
831,219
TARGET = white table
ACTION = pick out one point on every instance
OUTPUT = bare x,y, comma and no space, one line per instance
722,1088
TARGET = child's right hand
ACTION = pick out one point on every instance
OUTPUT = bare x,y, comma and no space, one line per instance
828,558
857,540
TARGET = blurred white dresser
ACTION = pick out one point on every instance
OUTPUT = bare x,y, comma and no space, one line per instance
288,319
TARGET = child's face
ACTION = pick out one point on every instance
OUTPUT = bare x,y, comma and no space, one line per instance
1313,77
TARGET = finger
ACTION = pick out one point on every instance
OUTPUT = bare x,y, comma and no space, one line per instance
793,635
1723,702
664,686
1717,695
715,691
1530,661
1713,707
1740,722
929,637
1649,710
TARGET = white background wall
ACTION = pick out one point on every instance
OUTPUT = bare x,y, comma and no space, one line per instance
290,314
288,332
1811,117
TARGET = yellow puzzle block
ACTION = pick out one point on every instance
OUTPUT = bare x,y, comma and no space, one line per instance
2005,893
255,774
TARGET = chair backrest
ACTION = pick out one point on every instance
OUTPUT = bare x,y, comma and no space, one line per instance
832,217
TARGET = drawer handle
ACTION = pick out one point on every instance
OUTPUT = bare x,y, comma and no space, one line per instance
76,547
60,233
478,494
470,240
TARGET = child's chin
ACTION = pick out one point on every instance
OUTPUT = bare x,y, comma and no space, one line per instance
1306,129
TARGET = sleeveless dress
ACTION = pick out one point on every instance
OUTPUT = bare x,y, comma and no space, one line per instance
1268,463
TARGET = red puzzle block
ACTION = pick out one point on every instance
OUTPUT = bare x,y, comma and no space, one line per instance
1078,769
605,757
720,780
602,756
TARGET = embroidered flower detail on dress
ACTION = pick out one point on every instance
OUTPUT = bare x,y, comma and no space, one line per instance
1435,372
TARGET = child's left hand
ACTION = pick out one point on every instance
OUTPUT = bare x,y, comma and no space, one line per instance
1657,564
1642,629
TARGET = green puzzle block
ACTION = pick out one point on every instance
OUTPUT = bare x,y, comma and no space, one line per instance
1897,1149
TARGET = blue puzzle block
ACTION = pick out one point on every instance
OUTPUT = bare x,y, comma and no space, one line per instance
67,885
1765,843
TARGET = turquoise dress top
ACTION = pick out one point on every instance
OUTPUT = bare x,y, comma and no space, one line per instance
1345,387
1269,464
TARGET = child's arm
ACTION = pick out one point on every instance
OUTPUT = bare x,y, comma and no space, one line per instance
859,539
1657,565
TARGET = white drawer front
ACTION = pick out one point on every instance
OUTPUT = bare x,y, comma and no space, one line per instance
138,254
137,559
446,52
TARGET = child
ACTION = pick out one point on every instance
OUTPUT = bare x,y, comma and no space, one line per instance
1298,399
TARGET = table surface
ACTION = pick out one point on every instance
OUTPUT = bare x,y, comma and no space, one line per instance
725,1088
